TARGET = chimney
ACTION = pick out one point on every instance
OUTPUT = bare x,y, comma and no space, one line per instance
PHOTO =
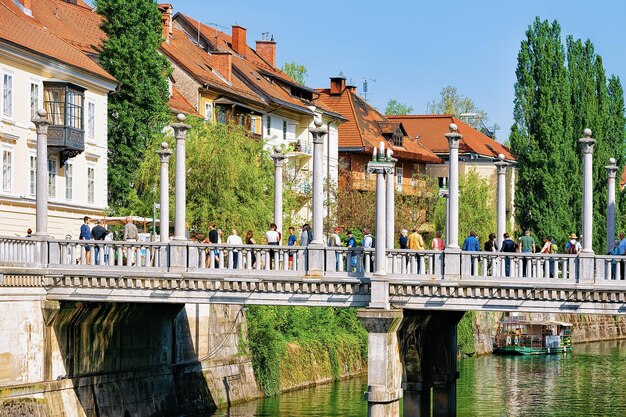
337,85
222,63
166,21
267,50
239,40
351,88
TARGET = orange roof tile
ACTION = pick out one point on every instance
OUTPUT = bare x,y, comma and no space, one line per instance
75,23
365,127
179,104
26,32
431,128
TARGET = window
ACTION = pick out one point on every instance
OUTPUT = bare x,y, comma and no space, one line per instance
397,139
69,181
221,115
399,174
33,175
7,103
34,100
91,120
284,130
64,104
91,185
52,178
269,125
7,170
208,111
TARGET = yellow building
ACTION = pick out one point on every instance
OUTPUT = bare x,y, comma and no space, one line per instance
41,70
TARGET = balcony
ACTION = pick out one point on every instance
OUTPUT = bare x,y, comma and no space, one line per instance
64,103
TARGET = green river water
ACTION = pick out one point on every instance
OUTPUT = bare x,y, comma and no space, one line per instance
590,381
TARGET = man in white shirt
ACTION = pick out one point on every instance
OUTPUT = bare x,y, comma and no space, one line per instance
273,238
234,239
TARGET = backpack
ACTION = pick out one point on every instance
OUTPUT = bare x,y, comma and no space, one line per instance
554,248
572,249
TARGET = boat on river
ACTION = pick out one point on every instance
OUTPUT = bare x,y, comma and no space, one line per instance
518,335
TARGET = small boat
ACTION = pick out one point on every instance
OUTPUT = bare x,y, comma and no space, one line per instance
517,335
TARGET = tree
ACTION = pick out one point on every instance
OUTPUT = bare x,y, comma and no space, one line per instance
397,108
139,109
229,180
476,205
559,92
452,102
296,71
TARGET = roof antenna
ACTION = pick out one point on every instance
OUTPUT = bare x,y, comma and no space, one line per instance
365,90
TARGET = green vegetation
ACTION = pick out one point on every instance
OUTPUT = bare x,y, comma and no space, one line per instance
465,334
297,72
138,110
397,108
281,338
476,208
559,92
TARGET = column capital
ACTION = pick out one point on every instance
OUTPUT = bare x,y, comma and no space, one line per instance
164,153
501,165
453,137
319,131
278,158
379,168
611,169
180,128
588,142
41,122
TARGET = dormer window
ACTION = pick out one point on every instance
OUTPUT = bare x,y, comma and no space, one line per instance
64,103
397,137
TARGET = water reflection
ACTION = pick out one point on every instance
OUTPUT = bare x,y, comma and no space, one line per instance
591,381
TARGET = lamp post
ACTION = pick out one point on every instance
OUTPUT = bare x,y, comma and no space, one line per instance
501,166
180,195
164,205
381,164
611,171
41,199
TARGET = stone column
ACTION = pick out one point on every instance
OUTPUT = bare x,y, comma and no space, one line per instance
453,183
41,209
501,166
278,158
315,251
588,145
180,208
318,133
380,165
384,365
611,171
391,204
164,154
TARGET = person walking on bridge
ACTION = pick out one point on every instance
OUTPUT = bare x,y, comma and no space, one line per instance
526,245
85,233
508,246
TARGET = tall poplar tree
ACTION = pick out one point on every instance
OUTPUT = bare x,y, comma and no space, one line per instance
139,108
541,134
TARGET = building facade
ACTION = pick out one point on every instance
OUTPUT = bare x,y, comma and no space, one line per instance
41,70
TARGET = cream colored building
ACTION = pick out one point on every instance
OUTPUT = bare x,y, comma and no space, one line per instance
39,70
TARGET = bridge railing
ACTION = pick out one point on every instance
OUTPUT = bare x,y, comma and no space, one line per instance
104,253
16,251
519,265
610,269
210,257
410,262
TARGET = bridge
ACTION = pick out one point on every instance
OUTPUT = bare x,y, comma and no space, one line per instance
410,301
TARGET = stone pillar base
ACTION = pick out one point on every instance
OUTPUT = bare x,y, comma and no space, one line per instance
586,268
315,260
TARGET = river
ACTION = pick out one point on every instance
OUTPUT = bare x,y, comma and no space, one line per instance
590,381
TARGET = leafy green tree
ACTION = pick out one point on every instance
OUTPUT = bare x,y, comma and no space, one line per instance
229,179
139,108
296,71
541,135
397,108
452,102
476,208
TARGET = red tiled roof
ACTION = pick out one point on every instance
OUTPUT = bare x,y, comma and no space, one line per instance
431,128
197,63
179,104
24,31
365,127
75,23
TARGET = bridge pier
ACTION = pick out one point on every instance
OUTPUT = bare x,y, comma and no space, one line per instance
384,368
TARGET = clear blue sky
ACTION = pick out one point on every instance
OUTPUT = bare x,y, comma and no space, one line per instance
414,48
